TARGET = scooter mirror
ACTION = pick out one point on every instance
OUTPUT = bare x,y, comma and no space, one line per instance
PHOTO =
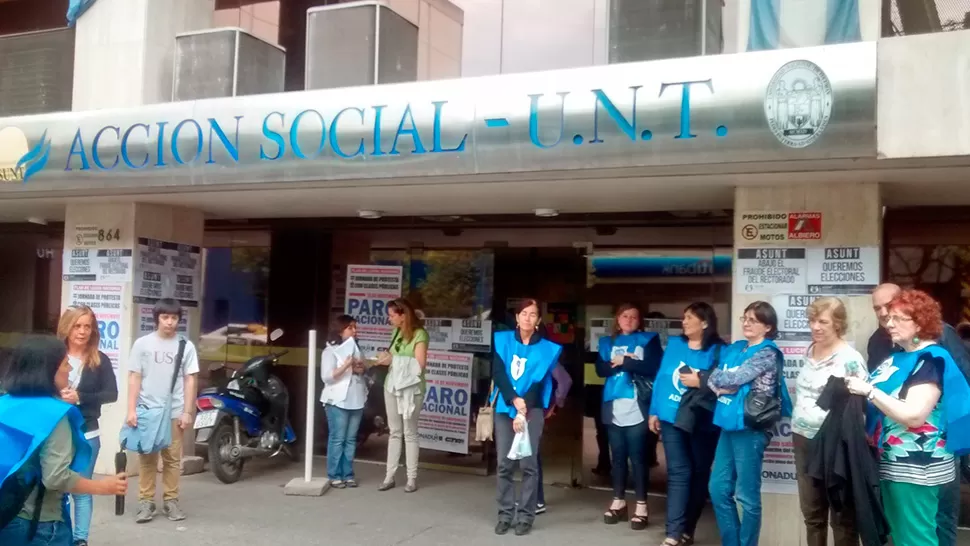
276,334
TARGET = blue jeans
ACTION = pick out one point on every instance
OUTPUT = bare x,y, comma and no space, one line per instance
342,444
83,504
689,458
949,511
51,533
629,443
736,479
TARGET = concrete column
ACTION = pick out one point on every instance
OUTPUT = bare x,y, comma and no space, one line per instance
851,216
117,227
124,50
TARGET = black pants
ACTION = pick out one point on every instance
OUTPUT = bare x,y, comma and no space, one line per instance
815,505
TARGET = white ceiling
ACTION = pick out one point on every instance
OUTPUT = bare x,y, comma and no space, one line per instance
655,189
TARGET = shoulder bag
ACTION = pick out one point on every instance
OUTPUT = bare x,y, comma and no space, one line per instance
485,424
762,411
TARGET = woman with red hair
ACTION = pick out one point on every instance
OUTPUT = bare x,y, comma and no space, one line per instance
908,418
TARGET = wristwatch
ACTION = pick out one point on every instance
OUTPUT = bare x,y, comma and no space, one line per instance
872,394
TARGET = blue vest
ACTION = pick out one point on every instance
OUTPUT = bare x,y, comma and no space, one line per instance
667,389
27,422
526,365
620,385
955,402
729,412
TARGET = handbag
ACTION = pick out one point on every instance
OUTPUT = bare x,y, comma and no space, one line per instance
485,424
761,410
153,432
643,386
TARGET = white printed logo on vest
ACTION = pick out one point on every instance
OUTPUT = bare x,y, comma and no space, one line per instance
518,367
678,386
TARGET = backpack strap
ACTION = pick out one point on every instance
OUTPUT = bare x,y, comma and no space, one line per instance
178,363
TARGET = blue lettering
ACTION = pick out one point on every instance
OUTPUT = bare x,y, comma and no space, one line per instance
461,397
432,397
124,146
446,395
160,158
534,120
334,136
438,105
233,149
378,115
77,148
273,136
685,103
175,141
352,306
95,155
407,116
629,127
294,132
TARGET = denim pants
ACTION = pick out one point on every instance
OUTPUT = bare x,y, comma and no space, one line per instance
342,428
83,504
736,480
506,497
51,533
629,443
689,458
949,512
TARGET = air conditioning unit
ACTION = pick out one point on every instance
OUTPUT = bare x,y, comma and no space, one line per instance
226,62
359,43
36,72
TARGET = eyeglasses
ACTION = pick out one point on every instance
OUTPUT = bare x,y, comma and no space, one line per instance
747,320
898,319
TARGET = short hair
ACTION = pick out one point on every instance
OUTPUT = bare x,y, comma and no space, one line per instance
623,308
33,366
340,324
167,306
706,313
840,318
765,314
924,310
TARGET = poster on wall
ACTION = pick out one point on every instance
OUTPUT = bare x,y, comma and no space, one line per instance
97,265
773,227
770,271
472,335
843,270
369,289
445,415
167,270
792,310
106,300
597,327
440,333
778,473
664,328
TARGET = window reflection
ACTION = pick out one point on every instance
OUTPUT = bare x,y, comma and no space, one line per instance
907,17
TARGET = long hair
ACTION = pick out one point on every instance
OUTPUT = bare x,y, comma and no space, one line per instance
34,365
623,308
340,324
411,320
70,317
705,312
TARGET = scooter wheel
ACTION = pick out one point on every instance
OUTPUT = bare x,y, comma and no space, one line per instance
220,443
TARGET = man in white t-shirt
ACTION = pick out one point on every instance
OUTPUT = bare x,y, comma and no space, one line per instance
151,366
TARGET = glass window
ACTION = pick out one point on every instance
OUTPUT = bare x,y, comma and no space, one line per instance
907,17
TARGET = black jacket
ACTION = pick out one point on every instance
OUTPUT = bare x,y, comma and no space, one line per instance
98,387
841,458
696,409
653,353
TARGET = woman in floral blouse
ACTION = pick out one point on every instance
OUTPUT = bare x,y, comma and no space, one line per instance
907,420
828,356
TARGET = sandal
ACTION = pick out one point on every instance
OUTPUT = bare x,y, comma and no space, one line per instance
671,542
686,540
639,522
612,516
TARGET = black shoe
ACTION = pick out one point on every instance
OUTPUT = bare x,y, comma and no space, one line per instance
502,527
522,529
80,542
602,471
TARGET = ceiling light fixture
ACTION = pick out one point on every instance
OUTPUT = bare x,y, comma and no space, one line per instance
37,220
546,213
369,214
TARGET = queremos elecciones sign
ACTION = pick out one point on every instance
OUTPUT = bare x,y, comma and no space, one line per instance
812,103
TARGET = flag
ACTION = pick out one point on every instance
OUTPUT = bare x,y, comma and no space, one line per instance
780,24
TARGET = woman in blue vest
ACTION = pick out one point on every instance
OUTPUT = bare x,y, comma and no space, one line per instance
752,365
918,416
682,411
522,370
35,421
627,352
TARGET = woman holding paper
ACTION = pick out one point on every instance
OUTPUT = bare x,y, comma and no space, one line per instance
343,398
522,370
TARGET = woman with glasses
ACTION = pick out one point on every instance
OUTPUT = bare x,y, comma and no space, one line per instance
913,419
404,390
91,384
752,367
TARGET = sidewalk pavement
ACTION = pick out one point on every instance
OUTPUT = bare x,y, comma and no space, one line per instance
448,509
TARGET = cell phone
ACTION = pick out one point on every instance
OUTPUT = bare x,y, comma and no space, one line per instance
685,369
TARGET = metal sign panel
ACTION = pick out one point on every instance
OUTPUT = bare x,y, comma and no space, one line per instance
814,103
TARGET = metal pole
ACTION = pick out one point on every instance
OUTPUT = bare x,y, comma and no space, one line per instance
311,389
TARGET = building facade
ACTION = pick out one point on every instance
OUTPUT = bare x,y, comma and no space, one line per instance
513,148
